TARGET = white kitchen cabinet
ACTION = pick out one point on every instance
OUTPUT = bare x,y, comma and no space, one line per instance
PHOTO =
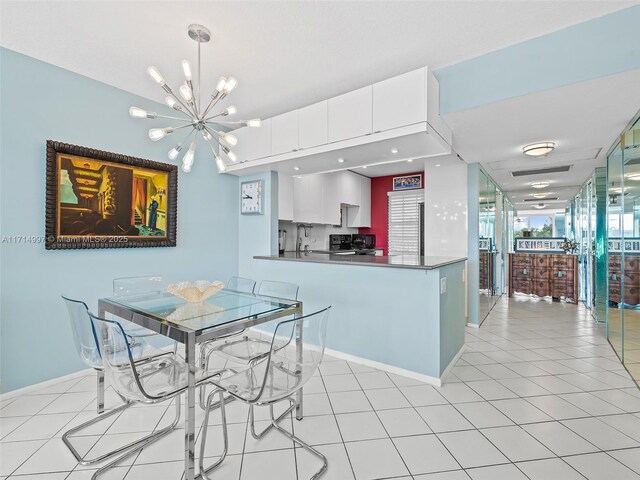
284,133
285,197
400,101
253,143
350,115
360,216
331,184
350,188
308,199
312,125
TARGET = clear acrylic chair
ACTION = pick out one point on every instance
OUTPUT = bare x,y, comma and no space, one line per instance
156,379
247,348
235,284
274,377
88,342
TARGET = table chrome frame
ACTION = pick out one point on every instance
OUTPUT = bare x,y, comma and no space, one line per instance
189,338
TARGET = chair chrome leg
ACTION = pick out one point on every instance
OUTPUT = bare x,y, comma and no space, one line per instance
303,444
140,444
79,458
100,388
205,426
252,425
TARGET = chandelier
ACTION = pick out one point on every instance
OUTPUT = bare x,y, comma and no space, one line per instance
202,122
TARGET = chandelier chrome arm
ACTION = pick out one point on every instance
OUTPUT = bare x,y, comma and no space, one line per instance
212,103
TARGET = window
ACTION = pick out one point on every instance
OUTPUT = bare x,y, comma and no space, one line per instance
404,222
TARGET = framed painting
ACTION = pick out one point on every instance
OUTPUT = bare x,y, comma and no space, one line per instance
407,182
98,199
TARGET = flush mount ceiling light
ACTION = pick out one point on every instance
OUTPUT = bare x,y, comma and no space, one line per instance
539,206
539,184
540,195
296,168
341,160
633,176
539,149
394,150
410,160
202,121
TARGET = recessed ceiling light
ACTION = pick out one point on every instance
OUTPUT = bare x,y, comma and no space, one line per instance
364,166
341,160
394,150
296,168
539,206
410,160
437,164
538,149
540,195
539,184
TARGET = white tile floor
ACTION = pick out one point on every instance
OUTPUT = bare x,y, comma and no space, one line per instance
537,395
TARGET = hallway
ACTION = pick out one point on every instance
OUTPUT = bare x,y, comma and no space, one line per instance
538,395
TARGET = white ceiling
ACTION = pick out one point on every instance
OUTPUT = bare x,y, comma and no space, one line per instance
284,54
583,119
290,54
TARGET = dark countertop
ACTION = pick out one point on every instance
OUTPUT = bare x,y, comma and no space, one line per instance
395,261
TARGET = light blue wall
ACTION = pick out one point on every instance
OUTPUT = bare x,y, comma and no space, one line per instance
39,102
452,318
597,48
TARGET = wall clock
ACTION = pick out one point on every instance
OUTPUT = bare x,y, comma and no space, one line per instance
251,197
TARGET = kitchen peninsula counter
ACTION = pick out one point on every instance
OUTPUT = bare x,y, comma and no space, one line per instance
394,261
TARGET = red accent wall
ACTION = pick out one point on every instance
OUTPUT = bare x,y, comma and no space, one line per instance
380,186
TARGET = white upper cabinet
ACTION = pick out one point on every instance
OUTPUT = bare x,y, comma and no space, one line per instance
360,216
253,143
400,101
350,115
350,188
312,125
331,198
284,133
285,197
308,206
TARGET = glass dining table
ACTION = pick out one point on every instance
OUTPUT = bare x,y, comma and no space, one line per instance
193,323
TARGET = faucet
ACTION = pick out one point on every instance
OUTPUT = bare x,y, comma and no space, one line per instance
299,227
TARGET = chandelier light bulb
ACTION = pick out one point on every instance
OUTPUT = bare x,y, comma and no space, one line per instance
185,92
172,103
231,84
232,156
136,112
186,68
222,81
155,74
254,122
173,153
207,136
187,160
220,164
156,134
228,138
232,110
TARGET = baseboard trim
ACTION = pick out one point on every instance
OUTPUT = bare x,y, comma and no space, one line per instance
37,386
452,364
385,367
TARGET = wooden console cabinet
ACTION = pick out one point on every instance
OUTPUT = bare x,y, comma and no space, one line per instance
631,279
544,275
486,263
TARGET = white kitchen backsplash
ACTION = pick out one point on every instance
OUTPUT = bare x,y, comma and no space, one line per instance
318,238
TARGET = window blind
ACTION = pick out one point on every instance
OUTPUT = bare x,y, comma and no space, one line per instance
404,222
